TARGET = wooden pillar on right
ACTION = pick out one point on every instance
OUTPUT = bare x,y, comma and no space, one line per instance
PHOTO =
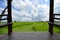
51,16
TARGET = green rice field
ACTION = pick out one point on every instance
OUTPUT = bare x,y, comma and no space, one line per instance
29,27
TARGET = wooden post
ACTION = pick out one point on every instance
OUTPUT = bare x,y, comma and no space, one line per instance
51,17
9,17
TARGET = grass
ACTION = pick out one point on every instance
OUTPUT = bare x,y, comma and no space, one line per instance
30,27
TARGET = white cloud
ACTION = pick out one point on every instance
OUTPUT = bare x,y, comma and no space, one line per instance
34,7
17,16
56,5
34,12
45,11
46,0
24,13
26,19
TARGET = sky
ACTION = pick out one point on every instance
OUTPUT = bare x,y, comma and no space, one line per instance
30,10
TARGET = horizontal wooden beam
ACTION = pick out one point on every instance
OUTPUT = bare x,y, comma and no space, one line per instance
57,18
55,24
56,14
6,24
4,15
4,19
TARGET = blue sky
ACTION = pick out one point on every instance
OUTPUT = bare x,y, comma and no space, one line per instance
30,10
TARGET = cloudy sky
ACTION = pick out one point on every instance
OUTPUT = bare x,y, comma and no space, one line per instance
30,10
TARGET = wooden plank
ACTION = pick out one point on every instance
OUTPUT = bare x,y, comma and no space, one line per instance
57,18
55,24
56,14
4,15
4,19
5,24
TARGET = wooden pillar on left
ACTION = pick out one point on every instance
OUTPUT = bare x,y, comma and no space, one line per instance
9,17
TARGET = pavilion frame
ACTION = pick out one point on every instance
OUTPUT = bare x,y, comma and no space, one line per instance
51,17
9,17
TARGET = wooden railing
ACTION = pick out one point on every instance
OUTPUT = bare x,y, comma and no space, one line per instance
51,24
5,24
9,17
2,14
56,14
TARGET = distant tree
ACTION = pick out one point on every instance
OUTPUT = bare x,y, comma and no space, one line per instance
14,21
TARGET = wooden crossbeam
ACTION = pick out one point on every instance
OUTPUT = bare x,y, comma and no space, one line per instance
6,24
4,19
55,24
4,15
57,18
56,14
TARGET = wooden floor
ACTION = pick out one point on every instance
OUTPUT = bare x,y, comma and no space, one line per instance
30,36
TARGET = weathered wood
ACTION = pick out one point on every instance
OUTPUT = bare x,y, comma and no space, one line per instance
51,17
9,17
5,24
55,24
4,19
56,14
3,12
4,15
57,18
